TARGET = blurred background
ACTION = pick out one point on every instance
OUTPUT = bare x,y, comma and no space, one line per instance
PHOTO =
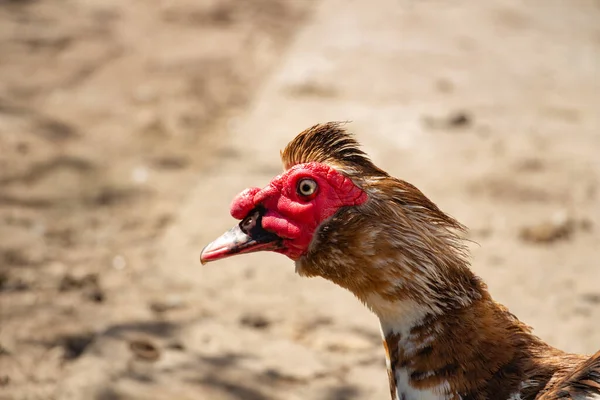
127,127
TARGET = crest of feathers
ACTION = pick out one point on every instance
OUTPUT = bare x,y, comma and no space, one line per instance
331,144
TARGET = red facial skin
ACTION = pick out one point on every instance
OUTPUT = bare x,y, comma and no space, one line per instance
294,217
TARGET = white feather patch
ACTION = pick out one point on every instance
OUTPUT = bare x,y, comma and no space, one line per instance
407,392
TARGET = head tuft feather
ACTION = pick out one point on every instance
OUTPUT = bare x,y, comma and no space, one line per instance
329,143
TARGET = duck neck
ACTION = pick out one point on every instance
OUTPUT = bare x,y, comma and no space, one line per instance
477,349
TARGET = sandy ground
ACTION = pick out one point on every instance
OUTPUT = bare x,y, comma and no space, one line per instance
126,129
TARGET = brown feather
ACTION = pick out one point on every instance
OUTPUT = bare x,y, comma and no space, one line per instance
576,380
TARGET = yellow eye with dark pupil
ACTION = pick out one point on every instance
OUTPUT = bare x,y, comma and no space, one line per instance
306,187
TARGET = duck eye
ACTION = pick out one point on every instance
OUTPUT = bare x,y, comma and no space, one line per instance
306,187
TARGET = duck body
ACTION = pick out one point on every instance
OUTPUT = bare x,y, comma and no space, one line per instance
340,217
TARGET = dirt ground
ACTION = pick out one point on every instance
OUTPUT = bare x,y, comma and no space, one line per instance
126,128
108,112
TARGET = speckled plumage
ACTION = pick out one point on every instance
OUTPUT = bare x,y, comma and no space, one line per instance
445,338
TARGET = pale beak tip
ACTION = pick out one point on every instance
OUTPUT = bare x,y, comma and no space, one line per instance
203,259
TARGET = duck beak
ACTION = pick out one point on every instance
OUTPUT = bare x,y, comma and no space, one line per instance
247,237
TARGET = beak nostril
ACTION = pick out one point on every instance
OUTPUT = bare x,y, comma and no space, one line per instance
249,222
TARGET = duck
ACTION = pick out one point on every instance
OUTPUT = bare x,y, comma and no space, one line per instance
338,216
